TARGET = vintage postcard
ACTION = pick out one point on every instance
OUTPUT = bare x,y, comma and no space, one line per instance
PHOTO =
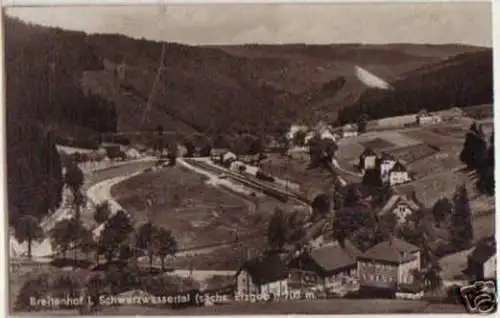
250,159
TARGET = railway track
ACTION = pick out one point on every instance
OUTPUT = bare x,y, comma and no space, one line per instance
251,182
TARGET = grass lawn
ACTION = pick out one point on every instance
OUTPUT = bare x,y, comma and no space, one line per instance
297,171
196,213
112,172
224,258
332,306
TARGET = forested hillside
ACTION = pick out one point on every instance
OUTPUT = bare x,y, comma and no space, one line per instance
66,87
458,82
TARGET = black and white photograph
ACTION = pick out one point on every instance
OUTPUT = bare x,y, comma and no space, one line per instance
234,159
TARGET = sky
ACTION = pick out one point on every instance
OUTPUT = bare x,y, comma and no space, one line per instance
203,24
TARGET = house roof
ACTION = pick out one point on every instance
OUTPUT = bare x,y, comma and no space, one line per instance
484,250
368,152
398,167
397,198
386,156
266,269
333,256
394,250
350,127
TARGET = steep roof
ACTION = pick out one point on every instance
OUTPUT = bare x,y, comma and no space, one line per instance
484,250
398,167
397,198
368,152
333,256
394,250
386,156
265,270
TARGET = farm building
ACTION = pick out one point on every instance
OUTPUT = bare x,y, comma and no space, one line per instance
398,174
387,162
228,158
350,130
401,206
237,166
331,267
387,268
426,118
481,263
217,153
367,159
264,275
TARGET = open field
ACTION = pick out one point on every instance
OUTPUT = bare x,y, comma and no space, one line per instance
226,258
377,144
117,171
413,153
179,200
437,163
297,171
325,307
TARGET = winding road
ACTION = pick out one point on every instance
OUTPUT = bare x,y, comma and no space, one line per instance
98,184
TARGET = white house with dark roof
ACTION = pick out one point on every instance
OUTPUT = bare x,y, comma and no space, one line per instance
398,174
350,130
264,275
367,159
401,206
426,118
387,162
331,266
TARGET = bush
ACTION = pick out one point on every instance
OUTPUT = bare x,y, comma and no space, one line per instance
37,287
42,286
122,279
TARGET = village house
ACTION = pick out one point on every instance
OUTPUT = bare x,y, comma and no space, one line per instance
481,263
387,162
350,130
398,174
388,267
331,267
228,158
264,275
426,118
367,160
401,206
217,153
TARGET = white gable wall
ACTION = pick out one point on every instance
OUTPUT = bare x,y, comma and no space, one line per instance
398,177
489,268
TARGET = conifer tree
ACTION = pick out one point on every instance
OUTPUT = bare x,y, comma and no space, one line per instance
461,219
474,150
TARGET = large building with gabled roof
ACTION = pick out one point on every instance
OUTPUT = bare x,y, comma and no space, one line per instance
389,265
